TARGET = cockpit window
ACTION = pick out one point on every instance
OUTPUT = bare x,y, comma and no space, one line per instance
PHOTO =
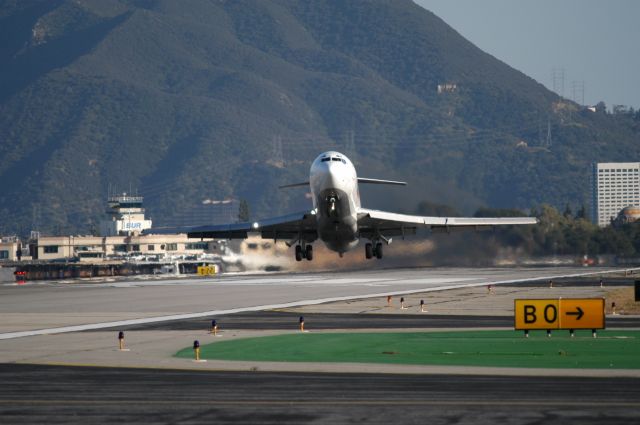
344,162
335,159
326,159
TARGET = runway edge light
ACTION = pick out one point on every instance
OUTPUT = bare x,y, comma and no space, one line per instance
121,346
196,350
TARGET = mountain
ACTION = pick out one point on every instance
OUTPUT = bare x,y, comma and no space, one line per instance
192,100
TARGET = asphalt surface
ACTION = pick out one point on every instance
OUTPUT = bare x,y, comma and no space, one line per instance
77,395
56,394
276,320
44,308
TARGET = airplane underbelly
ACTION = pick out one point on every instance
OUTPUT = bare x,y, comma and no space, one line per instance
337,224
338,237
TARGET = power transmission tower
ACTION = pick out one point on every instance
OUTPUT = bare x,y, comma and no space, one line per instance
548,141
577,92
557,79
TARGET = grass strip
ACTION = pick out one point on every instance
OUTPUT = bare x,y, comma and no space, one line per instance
611,349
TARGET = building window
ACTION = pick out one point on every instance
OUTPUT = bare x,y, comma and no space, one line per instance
172,247
151,247
120,248
196,245
4,254
51,249
91,255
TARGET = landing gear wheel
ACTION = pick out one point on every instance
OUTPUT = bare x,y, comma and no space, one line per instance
298,253
309,253
368,251
378,250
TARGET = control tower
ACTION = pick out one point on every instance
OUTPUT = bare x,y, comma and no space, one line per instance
126,216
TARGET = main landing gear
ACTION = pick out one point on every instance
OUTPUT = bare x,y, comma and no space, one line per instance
370,250
306,252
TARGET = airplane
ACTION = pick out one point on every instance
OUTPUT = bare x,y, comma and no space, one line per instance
338,219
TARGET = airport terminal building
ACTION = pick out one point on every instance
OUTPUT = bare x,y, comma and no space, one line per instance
615,186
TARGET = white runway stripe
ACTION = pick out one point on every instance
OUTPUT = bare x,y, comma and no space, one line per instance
122,323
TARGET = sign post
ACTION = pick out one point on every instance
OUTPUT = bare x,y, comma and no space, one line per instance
561,313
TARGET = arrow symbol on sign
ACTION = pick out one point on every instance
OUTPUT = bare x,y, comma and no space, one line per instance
578,313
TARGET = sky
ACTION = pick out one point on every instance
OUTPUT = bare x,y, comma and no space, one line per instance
594,41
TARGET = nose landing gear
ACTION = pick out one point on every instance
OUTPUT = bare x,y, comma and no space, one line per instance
332,209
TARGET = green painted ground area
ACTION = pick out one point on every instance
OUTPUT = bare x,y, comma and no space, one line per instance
612,349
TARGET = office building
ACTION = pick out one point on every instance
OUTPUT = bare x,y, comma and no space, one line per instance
615,185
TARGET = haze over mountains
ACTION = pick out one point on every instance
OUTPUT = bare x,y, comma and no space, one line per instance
194,100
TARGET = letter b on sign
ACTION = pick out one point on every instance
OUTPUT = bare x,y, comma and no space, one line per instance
529,314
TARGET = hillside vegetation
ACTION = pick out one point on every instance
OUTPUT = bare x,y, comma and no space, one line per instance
192,100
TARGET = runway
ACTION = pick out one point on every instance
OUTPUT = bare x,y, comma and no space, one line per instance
271,320
39,394
40,309
147,384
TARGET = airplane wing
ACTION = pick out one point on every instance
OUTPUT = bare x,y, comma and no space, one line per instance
378,181
288,227
373,222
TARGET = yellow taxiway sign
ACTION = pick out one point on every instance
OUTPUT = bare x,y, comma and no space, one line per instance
562,313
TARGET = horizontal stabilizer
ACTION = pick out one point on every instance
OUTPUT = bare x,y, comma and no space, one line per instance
377,181
294,185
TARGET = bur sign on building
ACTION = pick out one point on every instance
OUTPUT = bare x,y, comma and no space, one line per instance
616,186
126,216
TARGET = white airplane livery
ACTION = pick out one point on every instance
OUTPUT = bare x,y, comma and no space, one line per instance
338,219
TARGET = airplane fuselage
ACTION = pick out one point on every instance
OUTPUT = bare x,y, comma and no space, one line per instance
336,200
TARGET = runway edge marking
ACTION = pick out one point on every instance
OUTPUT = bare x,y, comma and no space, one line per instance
146,320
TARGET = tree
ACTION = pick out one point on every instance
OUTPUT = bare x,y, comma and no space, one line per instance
581,213
567,211
243,211
601,107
